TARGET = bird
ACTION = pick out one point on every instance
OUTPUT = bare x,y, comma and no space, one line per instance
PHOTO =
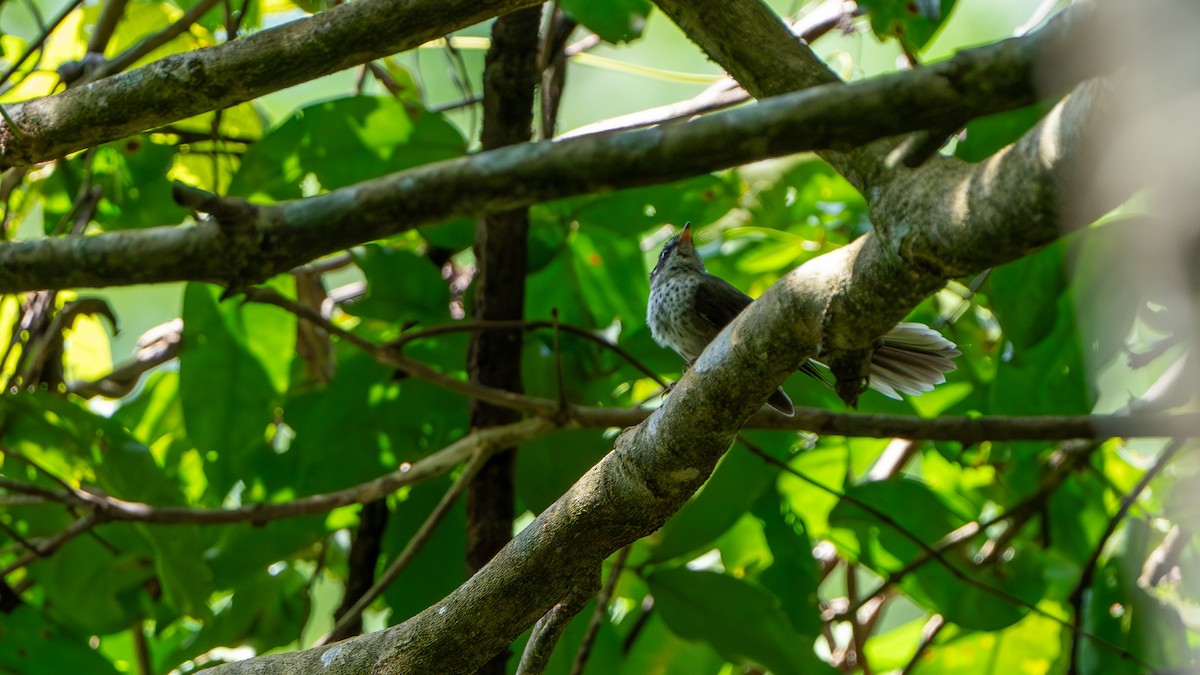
688,307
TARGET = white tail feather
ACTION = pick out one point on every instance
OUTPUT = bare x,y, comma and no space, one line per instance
911,359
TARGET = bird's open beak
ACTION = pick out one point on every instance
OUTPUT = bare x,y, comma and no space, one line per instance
685,237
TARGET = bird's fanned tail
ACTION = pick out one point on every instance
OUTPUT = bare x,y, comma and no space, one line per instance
911,359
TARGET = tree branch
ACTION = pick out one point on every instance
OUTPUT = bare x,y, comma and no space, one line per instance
354,613
183,85
977,82
817,420
480,441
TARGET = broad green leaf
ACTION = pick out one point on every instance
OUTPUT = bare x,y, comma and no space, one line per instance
228,393
181,568
1032,645
612,281
913,22
439,567
1076,517
240,553
401,287
826,464
634,211
264,611
79,445
341,142
366,423
793,575
741,620
1025,295
659,650
881,537
743,547
546,467
1042,369
736,483
613,20
91,588
986,135
454,235
30,643
132,179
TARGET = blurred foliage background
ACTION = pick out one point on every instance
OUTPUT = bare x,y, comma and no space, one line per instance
802,551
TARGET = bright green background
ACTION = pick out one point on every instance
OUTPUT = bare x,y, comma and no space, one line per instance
239,418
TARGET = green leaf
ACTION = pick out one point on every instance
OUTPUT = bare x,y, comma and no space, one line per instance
137,191
402,287
914,22
614,20
364,424
634,211
612,279
986,135
79,445
740,619
793,575
546,467
30,643
1041,370
227,389
181,567
660,651
825,464
882,538
1025,295
1032,645
736,483
91,588
341,142
264,611
438,568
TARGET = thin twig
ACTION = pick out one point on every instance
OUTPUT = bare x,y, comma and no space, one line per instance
47,548
141,647
481,440
547,631
937,554
858,636
818,420
527,324
598,614
414,545
106,25
932,627
40,40
558,371
1076,598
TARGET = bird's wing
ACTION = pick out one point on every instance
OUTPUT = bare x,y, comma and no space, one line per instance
718,302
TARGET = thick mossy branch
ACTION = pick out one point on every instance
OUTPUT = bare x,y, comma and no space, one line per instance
184,85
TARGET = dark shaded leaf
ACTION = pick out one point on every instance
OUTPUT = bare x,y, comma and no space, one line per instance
613,20
740,619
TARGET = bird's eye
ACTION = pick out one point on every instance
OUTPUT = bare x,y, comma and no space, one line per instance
666,252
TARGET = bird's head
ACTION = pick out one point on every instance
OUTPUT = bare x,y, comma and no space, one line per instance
678,254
